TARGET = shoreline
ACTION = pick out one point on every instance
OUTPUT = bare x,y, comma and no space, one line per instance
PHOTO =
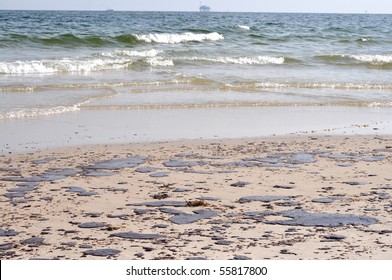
281,197
139,126
138,137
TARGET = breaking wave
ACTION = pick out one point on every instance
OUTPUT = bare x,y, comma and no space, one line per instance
378,60
74,41
39,112
119,59
244,27
61,66
257,60
123,59
166,38
373,59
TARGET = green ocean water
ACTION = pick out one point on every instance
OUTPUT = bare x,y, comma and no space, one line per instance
56,62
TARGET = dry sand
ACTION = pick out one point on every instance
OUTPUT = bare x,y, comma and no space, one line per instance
297,197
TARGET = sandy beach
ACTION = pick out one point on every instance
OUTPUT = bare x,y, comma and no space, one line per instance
278,197
154,135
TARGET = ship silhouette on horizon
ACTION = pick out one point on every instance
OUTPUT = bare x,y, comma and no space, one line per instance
204,8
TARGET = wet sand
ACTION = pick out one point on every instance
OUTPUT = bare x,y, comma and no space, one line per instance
295,197
87,127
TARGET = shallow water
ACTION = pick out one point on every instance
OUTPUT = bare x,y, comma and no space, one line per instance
60,62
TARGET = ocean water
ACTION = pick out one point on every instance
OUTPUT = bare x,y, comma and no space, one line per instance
57,62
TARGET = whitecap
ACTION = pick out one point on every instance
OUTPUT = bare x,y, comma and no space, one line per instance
244,27
257,60
63,65
127,53
166,38
118,59
159,61
373,59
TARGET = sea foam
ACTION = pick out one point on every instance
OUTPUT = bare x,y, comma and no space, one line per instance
373,59
257,60
127,53
38,112
166,38
118,59
61,66
244,27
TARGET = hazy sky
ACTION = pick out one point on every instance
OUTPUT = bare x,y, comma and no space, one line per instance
328,6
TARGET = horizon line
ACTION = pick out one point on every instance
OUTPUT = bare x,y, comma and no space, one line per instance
196,11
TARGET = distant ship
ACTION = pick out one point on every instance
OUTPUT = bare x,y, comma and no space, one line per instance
204,8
